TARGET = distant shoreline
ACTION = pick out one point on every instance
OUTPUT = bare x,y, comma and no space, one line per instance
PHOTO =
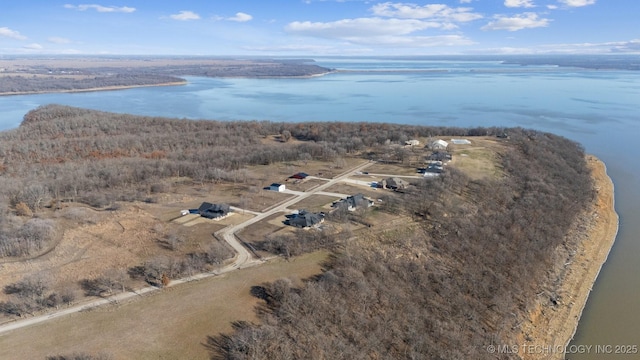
94,89
176,83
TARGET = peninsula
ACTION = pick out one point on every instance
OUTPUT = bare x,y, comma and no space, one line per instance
433,242
34,75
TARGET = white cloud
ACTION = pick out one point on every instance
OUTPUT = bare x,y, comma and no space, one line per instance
519,3
100,8
465,1
377,31
33,46
361,27
552,7
577,3
518,22
58,40
438,12
413,41
185,15
318,49
241,17
12,34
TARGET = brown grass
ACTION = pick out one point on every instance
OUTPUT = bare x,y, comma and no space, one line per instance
316,203
172,324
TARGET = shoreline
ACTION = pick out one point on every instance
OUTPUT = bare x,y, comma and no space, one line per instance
95,89
177,83
554,327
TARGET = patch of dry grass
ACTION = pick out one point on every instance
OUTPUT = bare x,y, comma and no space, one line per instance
171,324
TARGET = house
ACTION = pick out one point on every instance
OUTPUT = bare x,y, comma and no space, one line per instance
276,187
440,156
299,176
352,202
439,145
412,143
304,219
213,211
393,183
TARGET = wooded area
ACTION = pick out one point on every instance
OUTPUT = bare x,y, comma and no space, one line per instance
460,281
77,74
460,277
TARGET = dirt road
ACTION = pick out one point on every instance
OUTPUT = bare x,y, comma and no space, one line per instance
242,259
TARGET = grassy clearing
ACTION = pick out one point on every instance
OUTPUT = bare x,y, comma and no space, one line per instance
316,203
479,159
172,324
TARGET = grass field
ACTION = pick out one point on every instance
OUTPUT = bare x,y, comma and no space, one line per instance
171,324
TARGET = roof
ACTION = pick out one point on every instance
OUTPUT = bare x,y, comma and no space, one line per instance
299,175
275,185
439,143
352,202
210,210
395,182
305,219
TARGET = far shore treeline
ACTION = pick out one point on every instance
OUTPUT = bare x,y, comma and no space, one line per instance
463,275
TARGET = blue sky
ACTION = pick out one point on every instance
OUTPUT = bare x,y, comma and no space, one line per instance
319,27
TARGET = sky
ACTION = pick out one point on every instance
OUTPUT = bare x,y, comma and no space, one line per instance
319,27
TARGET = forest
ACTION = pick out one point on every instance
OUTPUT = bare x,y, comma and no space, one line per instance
53,75
460,280
459,277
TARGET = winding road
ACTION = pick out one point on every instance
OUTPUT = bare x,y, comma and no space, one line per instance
243,258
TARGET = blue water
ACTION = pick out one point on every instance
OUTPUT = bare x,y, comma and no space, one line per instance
596,108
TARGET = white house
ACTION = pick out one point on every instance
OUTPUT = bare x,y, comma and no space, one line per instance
276,187
439,145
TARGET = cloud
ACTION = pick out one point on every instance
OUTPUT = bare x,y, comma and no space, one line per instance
465,1
413,41
33,46
100,8
552,7
577,3
185,15
319,49
12,34
360,27
519,3
438,12
518,22
377,31
58,40
241,17
632,46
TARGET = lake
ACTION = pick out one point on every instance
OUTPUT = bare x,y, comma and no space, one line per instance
596,108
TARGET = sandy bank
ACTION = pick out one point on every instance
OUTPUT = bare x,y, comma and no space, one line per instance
551,327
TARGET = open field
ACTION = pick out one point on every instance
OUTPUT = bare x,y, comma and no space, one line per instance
172,324
478,159
260,230
316,203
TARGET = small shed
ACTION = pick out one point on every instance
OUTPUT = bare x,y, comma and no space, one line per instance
277,187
